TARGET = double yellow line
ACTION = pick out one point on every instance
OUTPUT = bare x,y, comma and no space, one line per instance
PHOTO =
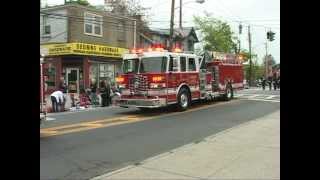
84,126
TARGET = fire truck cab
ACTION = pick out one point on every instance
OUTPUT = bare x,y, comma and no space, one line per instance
159,78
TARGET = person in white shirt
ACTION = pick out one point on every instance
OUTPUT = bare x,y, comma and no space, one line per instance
57,99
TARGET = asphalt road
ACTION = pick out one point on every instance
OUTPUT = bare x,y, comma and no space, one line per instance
89,153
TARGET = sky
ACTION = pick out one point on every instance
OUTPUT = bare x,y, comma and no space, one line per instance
262,15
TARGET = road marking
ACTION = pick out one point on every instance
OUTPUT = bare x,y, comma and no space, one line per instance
238,95
50,119
266,100
253,96
84,126
270,97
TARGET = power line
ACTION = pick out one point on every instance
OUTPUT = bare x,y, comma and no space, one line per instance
129,26
257,20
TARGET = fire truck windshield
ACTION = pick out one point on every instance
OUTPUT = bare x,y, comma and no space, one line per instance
130,65
153,64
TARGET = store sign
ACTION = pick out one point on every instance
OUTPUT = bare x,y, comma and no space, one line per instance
84,49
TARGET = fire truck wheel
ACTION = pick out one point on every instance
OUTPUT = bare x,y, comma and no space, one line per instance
229,93
183,99
142,109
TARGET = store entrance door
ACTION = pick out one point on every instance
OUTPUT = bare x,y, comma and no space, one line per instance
72,78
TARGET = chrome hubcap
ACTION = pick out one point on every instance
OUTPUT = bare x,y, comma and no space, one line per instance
184,100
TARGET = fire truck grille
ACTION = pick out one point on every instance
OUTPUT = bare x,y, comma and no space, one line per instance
138,84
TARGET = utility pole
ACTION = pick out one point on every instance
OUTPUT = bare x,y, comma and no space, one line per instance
180,22
135,34
266,61
239,41
250,57
171,26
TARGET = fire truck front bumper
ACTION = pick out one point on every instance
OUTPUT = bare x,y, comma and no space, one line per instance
143,103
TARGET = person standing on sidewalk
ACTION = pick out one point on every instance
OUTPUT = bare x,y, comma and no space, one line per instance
270,82
275,81
263,83
108,92
103,94
93,95
57,99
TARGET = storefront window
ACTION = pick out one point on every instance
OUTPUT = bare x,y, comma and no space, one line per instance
50,73
106,72
94,76
100,72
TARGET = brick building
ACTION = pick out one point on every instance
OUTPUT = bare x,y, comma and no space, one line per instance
83,45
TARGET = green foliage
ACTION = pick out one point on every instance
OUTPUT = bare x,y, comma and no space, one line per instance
246,55
257,70
217,35
80,2
271,60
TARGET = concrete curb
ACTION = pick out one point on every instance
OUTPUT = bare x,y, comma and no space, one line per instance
77,111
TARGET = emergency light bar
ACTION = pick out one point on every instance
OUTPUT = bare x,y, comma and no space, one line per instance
140,51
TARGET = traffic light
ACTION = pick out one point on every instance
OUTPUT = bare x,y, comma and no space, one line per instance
270,35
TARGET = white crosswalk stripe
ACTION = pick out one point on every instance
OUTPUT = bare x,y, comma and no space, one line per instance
258,97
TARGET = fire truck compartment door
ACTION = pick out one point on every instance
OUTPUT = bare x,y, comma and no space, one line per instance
202,76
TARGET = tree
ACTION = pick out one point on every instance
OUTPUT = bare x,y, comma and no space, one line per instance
270,59
217,35
81,2
257,70
127,7
131,8
246,56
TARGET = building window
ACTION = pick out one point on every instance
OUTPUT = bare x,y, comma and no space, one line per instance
93,24
50,73
46,25
190,45
100,72
121,31
94,76
47,29
106,72
88,28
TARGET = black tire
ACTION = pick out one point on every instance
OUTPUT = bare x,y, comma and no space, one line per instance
145,110
184,99
229,93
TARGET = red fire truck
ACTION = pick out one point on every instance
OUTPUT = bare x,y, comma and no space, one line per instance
158,78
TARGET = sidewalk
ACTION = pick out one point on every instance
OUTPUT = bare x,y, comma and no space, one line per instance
248,151
69,109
